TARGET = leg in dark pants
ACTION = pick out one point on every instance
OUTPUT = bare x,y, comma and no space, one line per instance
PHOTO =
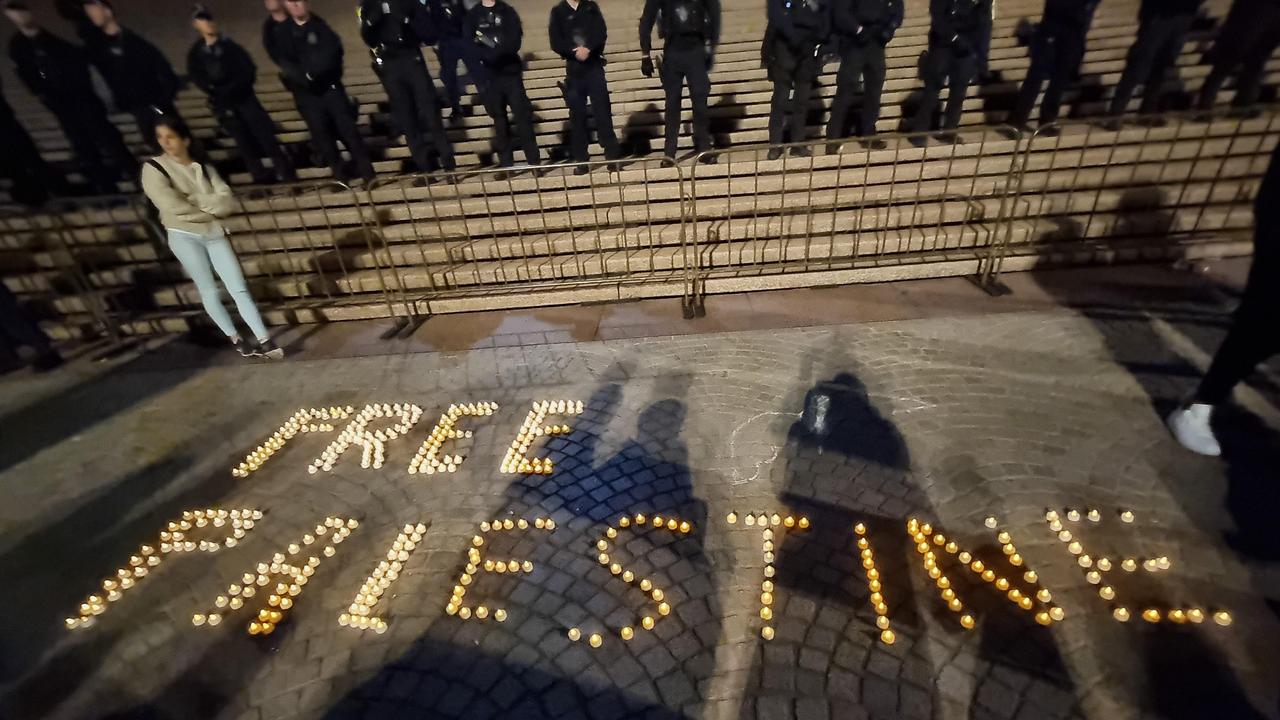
673,79
962,72
337,106
575,95
1254,68
245,143
1157,48
428,106
1253,336
96,143
680,67
505,91
602,111
934,72
805,76
450,53
18,328
1070,53
1044,59
257,123
865,63
589,85
417,114
312,109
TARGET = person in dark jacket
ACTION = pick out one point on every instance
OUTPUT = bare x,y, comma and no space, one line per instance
395,31
57,72
864,28
1248,38
1057,49
455,47
1162,29
691,30
1253,337
793,41
494,27
310,55
959,36
224,71
141,80
578,33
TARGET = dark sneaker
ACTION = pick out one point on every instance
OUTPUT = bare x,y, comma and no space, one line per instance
270,350
802,152
244,347
774,153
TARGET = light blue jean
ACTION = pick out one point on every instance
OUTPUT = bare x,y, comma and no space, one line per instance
201,256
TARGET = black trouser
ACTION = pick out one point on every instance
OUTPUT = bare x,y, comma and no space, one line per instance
858,62
255,135
587,83
793,73
507,91
453,49
97,145
1255,334
17,328
416,110
147,115
20,161
945,66
681,66
325,113
1055,55
1248,37
1153,54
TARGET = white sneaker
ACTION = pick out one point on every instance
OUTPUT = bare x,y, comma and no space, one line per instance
1190,426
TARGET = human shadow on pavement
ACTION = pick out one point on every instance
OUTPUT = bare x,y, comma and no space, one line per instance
846,463
527,667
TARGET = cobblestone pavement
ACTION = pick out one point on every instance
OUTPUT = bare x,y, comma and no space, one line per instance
949,421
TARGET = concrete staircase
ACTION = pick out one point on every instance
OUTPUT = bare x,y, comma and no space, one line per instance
321,251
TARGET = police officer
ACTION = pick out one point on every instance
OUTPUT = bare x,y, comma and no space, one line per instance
395,31
864,28
495,29
578,33
959,33
1057,48
223,70
691,29
142,81
310,56
1248,37
57,72
1162,28
455,47
793,42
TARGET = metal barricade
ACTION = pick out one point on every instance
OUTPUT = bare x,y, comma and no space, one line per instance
487,239
310,253
1142,188
827,212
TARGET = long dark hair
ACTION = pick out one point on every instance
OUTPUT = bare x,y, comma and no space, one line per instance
182,130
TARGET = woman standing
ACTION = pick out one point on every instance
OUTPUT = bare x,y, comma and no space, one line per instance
191,198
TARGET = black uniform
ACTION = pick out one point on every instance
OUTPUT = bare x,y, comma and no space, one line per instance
691,29
584,80
226,73
864,28
1248,37
57,72
792,41
395,31
310,57
497,36
1056,52
1162,28
959,35
455,47
21,161
141,79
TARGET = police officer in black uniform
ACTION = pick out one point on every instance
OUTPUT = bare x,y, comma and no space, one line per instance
1162,29
791,52
959,35
141,79
395,31
224,71
864,28
691,29
495,29
455,47
310,56
1057,48
1248,38
57,72
578,33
